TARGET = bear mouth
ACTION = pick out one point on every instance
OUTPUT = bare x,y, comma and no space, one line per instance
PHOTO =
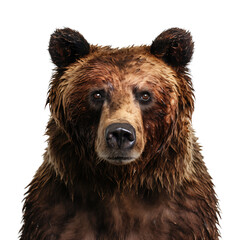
120,160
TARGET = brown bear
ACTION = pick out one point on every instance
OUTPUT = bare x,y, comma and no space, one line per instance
122,160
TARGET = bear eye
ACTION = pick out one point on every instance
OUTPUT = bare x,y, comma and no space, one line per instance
98,97
144,97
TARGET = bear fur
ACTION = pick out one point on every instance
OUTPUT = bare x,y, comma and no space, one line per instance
122,160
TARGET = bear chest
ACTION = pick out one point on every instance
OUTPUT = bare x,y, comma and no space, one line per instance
125,219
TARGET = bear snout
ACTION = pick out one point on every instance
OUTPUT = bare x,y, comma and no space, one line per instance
120,139
120,136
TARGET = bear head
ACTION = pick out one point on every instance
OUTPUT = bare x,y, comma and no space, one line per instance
127,108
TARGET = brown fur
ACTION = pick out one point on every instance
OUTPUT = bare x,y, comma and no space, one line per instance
165,192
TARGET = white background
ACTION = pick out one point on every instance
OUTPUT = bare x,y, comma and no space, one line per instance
25,71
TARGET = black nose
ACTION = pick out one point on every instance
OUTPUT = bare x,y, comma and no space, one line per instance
120,136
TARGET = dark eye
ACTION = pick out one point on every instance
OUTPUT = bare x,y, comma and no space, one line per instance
98,97
144,97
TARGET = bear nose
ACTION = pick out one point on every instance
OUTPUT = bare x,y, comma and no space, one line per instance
120,136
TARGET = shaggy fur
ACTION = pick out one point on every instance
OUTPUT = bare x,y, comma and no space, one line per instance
83,190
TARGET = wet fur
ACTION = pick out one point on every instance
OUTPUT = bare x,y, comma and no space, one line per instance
167,193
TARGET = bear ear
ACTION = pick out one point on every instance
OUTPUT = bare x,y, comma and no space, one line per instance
66,46
174,46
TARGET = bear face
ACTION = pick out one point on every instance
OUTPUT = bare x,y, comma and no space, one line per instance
127,100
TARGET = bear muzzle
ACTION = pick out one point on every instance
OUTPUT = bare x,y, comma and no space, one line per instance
120,139
120,136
